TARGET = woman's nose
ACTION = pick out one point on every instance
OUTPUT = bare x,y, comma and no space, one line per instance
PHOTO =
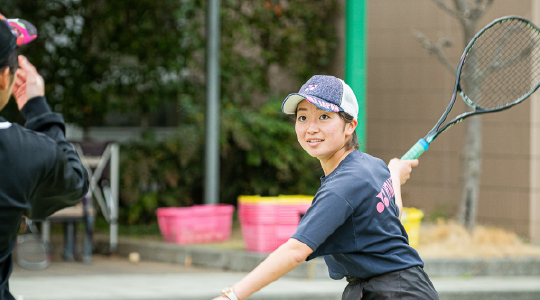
313,127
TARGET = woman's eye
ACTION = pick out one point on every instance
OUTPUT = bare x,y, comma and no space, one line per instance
324,117
301,118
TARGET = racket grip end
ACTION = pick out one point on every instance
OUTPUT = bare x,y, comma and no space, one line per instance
416,150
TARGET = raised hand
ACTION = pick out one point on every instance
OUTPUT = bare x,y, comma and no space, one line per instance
402,168
28,84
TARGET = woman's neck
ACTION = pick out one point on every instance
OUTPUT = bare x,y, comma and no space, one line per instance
331,163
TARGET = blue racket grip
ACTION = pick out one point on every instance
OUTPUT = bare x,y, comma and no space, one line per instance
416,150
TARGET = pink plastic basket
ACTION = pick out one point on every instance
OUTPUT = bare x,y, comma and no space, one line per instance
268,222
196,224
266,237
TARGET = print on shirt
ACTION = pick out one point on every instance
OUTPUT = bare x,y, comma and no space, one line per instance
387,192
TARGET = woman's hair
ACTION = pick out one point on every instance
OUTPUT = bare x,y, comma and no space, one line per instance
353,142
11,61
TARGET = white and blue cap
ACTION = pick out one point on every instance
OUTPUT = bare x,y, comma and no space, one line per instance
327,93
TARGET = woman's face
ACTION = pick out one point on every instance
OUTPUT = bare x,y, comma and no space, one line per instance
319,132
8,81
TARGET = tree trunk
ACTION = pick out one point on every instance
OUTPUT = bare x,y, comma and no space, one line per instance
472,154
471,171
468,13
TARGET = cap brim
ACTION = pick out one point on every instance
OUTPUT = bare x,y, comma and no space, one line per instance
23,30
291,102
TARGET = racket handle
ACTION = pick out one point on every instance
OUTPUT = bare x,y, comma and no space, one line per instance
416,150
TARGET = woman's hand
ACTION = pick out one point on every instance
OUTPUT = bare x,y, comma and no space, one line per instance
220,298
28,84
401,169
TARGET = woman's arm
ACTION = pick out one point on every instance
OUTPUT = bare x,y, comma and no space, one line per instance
400,171
283,260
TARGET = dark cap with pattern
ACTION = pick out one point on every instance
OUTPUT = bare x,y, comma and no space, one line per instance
13,33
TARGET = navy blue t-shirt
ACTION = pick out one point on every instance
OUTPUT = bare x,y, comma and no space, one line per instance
353,221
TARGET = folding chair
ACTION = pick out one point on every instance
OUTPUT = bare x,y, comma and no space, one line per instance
101,161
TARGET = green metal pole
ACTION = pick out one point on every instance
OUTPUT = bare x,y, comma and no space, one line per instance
211,184
356,59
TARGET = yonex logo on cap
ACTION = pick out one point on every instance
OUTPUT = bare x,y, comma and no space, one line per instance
311,87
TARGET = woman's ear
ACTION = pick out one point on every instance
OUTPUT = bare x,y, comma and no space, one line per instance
350,127
5,79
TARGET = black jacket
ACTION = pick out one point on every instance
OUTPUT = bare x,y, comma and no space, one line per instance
40,173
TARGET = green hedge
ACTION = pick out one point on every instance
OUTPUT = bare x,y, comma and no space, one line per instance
139,58
259,156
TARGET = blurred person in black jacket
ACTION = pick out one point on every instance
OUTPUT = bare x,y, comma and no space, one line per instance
40,171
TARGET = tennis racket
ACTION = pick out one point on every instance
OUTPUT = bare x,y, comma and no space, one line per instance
499,68
31,251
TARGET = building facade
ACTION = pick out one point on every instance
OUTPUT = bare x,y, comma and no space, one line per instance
408,90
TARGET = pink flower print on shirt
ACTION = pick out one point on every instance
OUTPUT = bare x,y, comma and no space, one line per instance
387,192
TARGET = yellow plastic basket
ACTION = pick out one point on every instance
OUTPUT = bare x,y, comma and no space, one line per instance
281,199
411,219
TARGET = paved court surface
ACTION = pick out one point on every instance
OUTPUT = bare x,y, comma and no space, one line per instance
109,278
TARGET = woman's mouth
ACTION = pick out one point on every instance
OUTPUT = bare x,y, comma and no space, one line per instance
314,141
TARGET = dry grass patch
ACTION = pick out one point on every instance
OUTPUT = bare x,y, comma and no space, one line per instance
449,239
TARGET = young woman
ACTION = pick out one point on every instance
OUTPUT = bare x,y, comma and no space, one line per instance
354,220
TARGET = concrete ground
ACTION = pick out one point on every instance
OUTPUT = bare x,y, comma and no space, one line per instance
109,278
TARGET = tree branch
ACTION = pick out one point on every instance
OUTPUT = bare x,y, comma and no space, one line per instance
462,11
447,9
437,49
480,8
525,54
484,6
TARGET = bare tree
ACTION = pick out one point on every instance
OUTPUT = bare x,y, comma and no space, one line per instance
468,13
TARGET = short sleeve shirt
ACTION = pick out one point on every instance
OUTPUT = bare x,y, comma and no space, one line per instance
354,222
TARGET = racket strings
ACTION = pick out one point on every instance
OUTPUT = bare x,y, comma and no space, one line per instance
501,66
511,57
492,88
33,251
504,86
